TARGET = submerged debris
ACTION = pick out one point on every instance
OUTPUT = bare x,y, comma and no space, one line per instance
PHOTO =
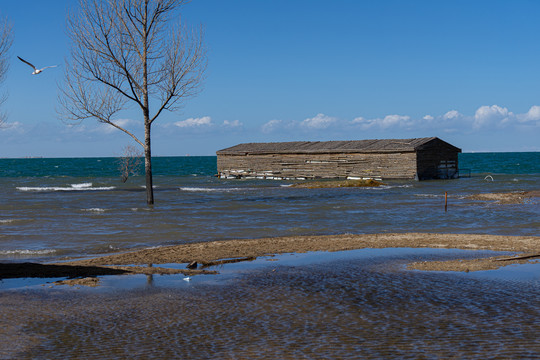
338,183
520,197
87,281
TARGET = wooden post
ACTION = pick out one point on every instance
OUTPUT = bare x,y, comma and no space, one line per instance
445,201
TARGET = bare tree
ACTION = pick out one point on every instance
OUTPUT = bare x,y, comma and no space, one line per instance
6,39
131,52
129,162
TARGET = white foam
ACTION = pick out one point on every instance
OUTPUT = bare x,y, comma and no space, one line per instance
6,221
201,189
429,195
391,186
81,186
27,252
72,187
99,210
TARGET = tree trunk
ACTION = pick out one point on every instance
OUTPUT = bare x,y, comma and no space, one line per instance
148,166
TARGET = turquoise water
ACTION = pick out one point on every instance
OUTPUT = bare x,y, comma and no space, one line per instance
103,167
501,163
79,206
477,163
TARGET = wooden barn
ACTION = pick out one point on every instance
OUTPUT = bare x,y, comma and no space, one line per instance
420,159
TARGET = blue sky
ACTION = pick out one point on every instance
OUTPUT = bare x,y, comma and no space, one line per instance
286,70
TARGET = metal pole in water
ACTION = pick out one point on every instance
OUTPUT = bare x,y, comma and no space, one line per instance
445,201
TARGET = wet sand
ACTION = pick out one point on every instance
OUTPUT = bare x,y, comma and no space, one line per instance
208,252
204,254
360,308
519,197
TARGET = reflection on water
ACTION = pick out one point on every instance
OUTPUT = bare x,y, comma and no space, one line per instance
362,306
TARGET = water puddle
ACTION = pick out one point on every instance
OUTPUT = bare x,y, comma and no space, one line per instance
397,257
522,273
350,304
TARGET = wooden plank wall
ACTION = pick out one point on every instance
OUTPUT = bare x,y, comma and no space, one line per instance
323,166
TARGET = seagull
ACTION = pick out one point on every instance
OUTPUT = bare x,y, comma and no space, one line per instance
36,70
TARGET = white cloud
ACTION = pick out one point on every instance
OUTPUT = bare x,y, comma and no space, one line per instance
488,115
452,114
194,122
533,115
232,124
271,126
108,129
124,122
394,120
74,128
320,121
453,121
12,126
388,121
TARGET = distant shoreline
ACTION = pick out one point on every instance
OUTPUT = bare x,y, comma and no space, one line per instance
192,155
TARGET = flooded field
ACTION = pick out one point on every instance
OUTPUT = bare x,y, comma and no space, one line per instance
354,304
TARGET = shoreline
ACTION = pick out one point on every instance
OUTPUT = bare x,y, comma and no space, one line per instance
228,249
208,252
202,255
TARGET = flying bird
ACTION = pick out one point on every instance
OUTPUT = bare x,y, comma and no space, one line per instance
36,70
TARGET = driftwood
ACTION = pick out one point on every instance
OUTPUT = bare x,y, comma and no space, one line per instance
522,257
35,270
206,264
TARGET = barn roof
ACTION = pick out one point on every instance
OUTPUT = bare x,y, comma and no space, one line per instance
363,146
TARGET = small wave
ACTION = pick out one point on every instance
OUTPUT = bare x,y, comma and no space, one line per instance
27,252
82,186
72,187
98,210
6,221
201,189
429,195
386,187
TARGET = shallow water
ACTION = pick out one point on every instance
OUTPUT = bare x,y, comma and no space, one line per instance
359,304
56,207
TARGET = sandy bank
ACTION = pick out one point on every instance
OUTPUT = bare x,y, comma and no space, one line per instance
211,251
519,197
147,261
